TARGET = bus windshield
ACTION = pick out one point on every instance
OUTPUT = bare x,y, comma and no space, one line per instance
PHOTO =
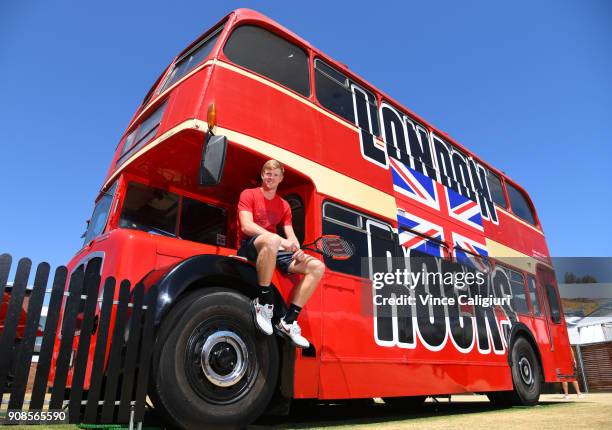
100,214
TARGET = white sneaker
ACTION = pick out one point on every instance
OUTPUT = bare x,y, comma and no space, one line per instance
293,332
263,316
581,396
565,397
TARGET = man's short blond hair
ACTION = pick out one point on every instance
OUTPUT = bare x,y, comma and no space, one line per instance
271,165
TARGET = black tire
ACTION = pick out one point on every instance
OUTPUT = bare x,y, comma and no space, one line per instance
526,373
186,388
405,404
526,378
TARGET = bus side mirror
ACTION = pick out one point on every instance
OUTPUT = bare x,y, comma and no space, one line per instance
86,229
213,160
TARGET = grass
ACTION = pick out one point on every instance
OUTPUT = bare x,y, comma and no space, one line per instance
473,412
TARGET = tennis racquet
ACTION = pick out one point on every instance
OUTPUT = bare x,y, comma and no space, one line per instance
332,246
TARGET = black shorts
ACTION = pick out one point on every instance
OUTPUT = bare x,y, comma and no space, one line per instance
247,249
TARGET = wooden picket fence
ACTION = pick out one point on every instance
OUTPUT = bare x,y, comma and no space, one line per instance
79,309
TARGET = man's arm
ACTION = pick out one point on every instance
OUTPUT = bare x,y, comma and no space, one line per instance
291,237
298,255
250,228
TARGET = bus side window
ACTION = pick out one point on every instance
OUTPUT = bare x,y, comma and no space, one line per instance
354,227
298,216
553,304
349,225
535,298
519,297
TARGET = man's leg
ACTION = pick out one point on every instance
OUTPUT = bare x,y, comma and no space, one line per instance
266,246
313,270
577,388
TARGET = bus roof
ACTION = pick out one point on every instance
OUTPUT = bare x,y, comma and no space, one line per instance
244,16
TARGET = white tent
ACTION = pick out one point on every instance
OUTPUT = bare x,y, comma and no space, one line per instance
596,326
591,329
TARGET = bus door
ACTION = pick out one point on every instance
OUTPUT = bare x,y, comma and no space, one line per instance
559,340
541,322
350,356
546,289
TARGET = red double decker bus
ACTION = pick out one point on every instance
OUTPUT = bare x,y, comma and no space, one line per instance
357,164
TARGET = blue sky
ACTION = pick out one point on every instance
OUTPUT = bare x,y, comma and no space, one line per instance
527,85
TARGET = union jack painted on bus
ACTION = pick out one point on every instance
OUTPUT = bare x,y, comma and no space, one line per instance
458,218
463,209
415,233
470,252
413,184
423,189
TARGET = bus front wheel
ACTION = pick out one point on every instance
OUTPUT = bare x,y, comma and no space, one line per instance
211,368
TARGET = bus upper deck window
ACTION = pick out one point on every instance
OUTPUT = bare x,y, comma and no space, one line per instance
142,134
187,62
270,55
149,95
496,189
335,92
520,206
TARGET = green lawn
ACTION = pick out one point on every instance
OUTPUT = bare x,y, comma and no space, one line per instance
473,412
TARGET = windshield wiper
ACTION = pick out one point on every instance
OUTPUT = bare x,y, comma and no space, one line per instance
147,228
159,231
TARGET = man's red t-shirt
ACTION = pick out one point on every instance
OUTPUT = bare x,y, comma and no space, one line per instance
266,213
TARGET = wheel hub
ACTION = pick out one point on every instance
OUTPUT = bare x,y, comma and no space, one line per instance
224,358
525,371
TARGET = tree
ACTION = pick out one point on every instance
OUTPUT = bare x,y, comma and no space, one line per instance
570,278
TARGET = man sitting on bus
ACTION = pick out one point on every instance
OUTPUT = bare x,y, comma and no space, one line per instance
260,211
